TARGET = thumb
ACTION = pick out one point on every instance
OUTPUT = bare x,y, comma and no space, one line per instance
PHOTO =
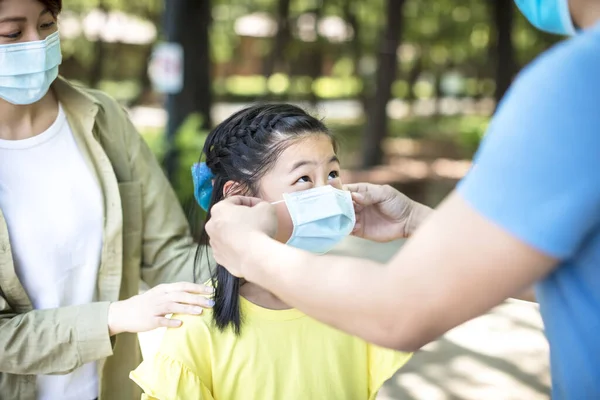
363,198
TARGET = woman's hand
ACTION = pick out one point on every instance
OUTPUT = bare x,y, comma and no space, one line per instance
145,312
232,222
383,213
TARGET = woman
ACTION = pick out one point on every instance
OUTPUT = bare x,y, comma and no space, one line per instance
529,211
85,213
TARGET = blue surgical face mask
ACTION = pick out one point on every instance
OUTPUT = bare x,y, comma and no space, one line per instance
550,16
322,217
28,69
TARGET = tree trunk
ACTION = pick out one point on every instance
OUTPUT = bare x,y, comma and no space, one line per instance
503,11
355,47
281,38
315,60
187,22
377,121
97,69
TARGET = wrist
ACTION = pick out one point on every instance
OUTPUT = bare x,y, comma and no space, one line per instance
113,318
418,213
255,261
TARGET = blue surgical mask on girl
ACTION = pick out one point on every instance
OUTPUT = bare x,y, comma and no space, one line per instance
28,69
552,16
322,217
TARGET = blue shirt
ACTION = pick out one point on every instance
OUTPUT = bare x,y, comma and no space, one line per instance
537,175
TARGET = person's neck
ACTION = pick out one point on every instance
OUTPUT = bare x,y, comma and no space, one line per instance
585,13
261,297
22,122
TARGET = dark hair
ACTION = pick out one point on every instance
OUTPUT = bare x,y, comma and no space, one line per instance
54,6
243,148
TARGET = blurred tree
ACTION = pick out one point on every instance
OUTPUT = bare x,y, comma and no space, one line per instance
317,48
277,56
377,119
187,22
97,70
349,10
503,12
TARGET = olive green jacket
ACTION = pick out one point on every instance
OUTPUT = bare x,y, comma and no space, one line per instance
146,237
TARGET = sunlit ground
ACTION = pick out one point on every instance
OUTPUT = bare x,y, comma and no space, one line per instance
501,355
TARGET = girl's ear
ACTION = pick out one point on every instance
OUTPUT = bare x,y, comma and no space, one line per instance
232,188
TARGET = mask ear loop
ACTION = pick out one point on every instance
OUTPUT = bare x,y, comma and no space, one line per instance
278,202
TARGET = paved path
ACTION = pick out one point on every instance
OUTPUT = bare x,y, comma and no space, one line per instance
500,356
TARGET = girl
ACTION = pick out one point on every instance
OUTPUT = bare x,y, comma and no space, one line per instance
252,345
85,212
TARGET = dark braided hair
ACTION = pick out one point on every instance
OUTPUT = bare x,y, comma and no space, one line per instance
242,149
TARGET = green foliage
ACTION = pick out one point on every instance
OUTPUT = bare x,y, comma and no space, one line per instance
189,143
437,35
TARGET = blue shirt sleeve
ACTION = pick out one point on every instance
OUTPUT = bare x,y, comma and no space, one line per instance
537,172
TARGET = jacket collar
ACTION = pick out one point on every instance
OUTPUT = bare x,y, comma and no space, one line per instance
75,100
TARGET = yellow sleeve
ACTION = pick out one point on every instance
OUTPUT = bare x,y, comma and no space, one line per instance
383,364
163,378
181,368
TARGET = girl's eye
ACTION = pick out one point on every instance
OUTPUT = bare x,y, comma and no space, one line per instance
48,25
334,175
12,35
303,179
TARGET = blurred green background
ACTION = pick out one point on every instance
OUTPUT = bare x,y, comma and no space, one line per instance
397,80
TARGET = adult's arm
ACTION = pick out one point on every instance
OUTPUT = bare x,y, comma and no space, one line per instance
384,213
456,266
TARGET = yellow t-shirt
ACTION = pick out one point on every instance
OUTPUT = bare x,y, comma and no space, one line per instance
280,354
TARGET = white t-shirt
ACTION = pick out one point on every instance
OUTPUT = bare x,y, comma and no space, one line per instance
54,211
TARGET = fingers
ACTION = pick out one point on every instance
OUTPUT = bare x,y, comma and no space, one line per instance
362,193
169,323
357,207
363,198
357,187
242,201
190,299
367,194
188,287
178,308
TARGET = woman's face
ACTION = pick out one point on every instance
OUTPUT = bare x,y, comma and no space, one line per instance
308,163
25,21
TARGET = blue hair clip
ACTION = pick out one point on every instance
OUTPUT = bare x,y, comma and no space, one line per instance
202,177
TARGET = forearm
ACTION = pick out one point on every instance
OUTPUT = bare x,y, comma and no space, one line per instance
344,292
456,267
54,341
527,295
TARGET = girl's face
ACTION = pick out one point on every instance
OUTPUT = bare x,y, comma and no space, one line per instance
25,21
308,163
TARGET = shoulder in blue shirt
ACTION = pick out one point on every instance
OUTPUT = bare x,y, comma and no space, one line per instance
537,175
